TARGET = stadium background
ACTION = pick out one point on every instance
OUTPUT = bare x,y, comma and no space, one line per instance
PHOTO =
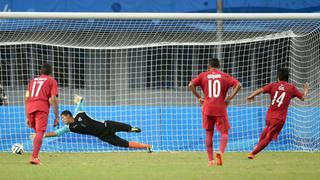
159,6
170,115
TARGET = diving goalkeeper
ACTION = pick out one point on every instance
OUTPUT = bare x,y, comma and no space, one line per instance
105,131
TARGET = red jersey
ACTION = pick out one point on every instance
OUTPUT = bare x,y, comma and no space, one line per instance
215,85
40,90
281,94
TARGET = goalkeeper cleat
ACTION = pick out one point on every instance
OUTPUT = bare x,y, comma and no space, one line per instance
211,163
77,99
219,159
251,156
135,129
149,149
35,161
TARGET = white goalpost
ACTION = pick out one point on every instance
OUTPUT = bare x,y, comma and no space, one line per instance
135,68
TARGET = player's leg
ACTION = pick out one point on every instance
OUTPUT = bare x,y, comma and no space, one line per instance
265,130
261,145
137,145
117,141
41,121
223,127
274,128
32,124
209,145
262,136
208,125
117,127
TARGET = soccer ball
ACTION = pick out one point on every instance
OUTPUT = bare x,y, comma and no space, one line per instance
17,149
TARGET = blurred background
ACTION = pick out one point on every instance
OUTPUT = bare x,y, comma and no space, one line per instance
234,6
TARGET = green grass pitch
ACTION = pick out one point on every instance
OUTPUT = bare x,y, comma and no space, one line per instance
162,165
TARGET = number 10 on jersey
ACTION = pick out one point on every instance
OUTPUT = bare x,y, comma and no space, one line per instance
214,88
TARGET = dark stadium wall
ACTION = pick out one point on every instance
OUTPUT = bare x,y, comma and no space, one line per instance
159,6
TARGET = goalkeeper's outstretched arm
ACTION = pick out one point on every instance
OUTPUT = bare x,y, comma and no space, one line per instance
55,133
79,101
58,132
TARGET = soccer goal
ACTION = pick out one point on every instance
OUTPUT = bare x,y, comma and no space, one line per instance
135,68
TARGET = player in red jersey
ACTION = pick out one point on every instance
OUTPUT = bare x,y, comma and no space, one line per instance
281,93
40,91
215,85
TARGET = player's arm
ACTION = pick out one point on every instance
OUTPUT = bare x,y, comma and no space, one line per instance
193,89
254,94
305,92
234,92
26,98
54,102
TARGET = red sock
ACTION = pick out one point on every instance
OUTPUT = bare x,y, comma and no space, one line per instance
37,142
223,142
209,144
262,144
138,145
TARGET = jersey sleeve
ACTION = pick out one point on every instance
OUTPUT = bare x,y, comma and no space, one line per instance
232,81
197,81
297,93
54,89
267,88
62,130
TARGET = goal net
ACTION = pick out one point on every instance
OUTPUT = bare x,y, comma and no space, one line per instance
135,69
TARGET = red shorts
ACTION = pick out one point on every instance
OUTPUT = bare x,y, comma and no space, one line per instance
38,120
222,123
274,128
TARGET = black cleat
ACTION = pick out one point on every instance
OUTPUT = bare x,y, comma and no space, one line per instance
135,129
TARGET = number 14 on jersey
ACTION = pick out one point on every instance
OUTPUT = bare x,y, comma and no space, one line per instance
278,99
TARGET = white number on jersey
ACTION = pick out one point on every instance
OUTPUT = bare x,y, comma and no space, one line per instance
214,88
37,89
278,99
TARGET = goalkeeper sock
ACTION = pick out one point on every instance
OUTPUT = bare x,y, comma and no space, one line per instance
138,145
223,142
37,142
209,144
